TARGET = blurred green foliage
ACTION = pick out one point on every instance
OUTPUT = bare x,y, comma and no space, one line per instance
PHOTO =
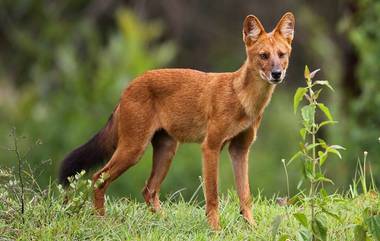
72,88
363,32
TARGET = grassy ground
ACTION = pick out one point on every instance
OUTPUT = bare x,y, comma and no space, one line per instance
46,219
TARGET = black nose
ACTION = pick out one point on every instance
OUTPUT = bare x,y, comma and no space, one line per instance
276,75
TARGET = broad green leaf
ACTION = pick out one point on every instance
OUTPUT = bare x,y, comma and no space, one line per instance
308,170
311,146
323,143
319,228
324,82
373,224
337,147
298,96
307,72
303,235
325,110
322,157
323,123
336,152
360,233
308,113
302,219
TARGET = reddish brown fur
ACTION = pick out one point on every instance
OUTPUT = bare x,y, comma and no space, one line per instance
169,106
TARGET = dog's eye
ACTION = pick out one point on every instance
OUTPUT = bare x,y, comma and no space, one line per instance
264,56
281,54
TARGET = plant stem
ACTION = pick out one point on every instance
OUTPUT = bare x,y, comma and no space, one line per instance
287,177
312,182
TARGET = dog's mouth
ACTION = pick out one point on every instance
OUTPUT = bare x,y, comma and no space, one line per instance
271,80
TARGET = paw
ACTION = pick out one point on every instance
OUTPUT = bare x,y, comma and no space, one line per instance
100,212
247,215
99,206
155,205
214,225
152,200
213,221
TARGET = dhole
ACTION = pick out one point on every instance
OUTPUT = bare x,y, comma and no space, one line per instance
168,106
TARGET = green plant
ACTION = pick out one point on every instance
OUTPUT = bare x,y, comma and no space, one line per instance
16,181
360,178
314,153
77,193
369,224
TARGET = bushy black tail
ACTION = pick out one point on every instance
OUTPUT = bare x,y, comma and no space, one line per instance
100,147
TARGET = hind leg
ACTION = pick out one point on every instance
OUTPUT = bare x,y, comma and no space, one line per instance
164,148
121,161
136,128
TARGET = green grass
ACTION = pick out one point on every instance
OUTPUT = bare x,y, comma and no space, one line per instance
45,219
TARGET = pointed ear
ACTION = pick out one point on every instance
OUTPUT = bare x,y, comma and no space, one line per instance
252,29
285,26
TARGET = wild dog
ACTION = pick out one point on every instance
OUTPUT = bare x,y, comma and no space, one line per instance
167,106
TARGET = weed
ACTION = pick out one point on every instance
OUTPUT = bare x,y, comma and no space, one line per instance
314,152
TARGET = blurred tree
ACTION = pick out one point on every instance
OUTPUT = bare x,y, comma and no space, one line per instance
361,25
71,78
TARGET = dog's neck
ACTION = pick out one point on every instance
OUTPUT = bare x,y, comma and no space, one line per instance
253,92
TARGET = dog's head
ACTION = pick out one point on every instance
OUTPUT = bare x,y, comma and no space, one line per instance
268,53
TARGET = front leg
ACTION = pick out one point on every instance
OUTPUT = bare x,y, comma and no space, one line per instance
211,148
239,149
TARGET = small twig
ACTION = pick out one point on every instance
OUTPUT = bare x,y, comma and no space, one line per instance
19,162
